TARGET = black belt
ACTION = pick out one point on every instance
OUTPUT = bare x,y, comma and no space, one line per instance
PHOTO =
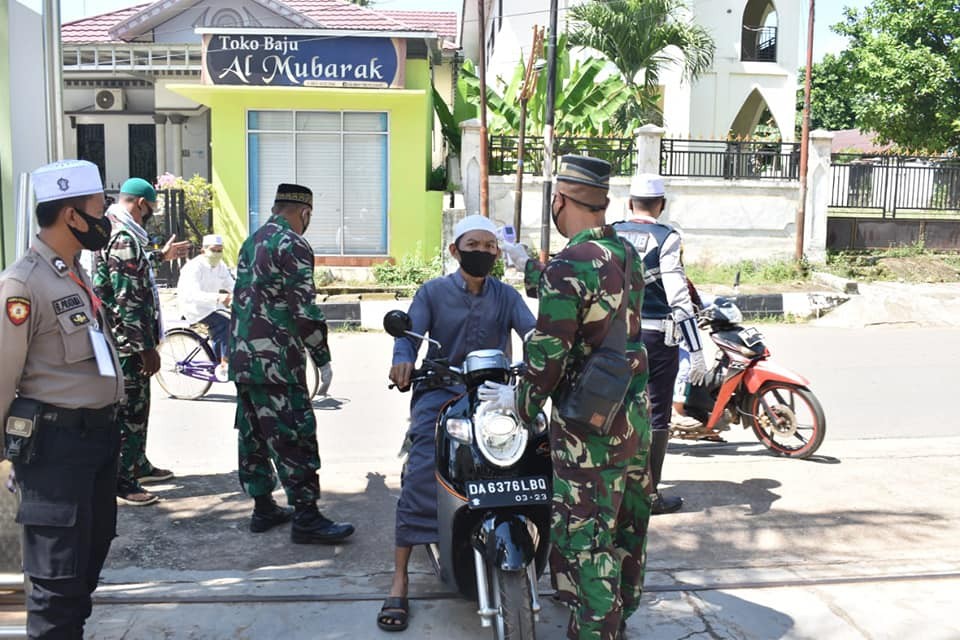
92,418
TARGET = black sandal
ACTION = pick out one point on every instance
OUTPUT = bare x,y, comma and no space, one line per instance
394,614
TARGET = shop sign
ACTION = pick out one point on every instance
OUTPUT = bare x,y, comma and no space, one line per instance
302,61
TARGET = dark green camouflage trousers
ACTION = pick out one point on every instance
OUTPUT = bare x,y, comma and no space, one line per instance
277,428
133,417
600,514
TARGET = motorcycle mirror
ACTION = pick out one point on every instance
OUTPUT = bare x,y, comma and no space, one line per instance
397,323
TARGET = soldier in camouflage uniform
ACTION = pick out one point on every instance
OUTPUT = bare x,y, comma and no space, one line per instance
274,317
600,504
123,276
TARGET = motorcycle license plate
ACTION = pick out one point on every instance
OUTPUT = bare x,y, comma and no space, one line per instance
751,336
483,494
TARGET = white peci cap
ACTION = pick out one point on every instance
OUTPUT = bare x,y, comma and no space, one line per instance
474,223
66,179
647,185
212,239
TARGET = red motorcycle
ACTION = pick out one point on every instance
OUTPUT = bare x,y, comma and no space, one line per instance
745,387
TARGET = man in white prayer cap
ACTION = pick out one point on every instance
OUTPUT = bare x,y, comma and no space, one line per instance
204,293
464,311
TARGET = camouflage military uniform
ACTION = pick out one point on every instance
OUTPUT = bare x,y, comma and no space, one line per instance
123,278
273,318
600,503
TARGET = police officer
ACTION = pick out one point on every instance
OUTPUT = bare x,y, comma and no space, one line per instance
59,388
601,507
668,313
123,275
274,317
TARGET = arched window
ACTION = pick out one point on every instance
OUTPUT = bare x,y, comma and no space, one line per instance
758,42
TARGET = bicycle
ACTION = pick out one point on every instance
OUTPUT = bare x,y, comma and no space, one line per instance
187,364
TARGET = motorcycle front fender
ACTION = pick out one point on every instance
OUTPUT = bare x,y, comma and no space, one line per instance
765,371
507,541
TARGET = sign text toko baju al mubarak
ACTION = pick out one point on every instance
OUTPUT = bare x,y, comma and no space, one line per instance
302,60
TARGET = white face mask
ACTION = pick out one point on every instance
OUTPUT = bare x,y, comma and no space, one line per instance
213,257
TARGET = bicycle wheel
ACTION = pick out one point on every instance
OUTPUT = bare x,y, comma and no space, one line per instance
186,364
313,377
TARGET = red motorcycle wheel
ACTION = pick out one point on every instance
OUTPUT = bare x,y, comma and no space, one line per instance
788,419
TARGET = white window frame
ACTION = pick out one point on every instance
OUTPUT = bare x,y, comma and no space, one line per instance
342,133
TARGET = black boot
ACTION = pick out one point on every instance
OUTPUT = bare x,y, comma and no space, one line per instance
658,451
267,514
311,527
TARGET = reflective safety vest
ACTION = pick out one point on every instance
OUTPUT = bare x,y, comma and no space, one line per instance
647,238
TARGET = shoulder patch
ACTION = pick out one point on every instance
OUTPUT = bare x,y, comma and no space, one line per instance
18,310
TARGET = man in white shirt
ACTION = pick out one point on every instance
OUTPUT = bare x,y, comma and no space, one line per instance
204,292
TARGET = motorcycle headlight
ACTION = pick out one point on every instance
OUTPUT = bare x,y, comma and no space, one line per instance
501,437
460,429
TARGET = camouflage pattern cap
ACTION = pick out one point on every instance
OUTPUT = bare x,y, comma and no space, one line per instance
294,193
592,172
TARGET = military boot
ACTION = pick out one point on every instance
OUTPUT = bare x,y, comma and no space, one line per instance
312,527
658,451
267,514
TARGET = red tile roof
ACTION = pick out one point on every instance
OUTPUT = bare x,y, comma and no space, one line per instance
96,28
329,14
443,23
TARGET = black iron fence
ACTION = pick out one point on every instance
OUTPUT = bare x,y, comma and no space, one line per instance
619,152
892,186
173,217
730,159
758,44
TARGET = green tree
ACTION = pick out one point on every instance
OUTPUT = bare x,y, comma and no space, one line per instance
641,38
832,95
906,71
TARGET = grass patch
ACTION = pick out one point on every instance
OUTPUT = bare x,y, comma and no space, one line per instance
909,263
751,272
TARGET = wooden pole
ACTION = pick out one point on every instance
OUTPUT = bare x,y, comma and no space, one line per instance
548,134
484,153
805,140
526,92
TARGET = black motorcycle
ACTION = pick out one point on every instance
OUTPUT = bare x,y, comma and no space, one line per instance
493,494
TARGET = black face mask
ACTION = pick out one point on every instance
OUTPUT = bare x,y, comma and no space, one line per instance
306,223
477,263
97,234
556,217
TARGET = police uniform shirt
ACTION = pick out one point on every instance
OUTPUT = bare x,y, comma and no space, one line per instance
46,351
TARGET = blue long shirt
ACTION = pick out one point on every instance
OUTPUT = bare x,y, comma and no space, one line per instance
444,309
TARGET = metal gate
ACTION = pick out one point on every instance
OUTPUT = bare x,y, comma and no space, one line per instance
172,217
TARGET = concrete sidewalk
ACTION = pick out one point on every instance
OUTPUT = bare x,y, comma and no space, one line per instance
844,546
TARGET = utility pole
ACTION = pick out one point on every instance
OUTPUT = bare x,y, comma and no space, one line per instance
805,140
484,153
548,134
53,78
526,92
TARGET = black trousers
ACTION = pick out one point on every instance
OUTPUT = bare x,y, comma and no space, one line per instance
663,362
68,510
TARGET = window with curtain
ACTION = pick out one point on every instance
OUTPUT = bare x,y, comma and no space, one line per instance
341,156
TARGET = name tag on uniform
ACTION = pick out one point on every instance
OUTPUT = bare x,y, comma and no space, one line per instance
102,352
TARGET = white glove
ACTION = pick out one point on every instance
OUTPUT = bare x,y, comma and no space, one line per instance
516,255
698,368
500,396
326,377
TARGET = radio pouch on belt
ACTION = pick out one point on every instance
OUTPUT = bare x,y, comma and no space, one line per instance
20,431
596,393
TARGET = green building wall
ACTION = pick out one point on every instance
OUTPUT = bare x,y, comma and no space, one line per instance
414,214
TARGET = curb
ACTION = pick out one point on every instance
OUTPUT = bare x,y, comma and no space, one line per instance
843,285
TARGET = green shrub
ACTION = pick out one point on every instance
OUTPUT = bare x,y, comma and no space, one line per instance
413,269
751,272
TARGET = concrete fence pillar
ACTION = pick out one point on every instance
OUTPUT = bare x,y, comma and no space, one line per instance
648,148
160,120
470,164
177,120
819,186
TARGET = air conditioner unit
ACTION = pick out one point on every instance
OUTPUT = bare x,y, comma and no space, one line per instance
108,99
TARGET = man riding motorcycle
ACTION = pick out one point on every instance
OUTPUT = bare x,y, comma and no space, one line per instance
464,311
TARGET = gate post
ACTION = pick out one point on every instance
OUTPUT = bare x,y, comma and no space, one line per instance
649,137
819,184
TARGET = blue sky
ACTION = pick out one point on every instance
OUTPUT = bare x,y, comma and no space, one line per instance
828,12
